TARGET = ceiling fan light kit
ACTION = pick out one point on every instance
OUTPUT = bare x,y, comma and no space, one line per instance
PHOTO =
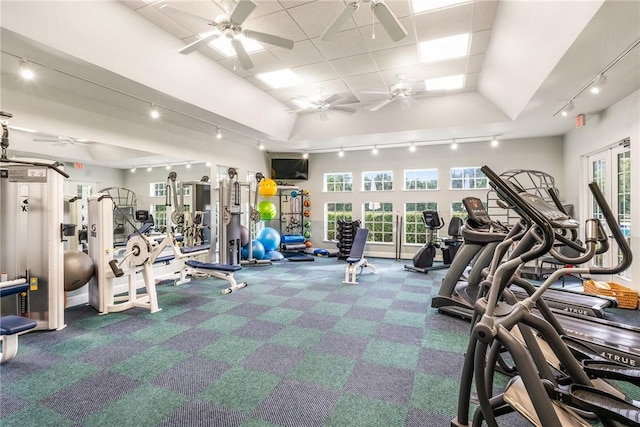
230,27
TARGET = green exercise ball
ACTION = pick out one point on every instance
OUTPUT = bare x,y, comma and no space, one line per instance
267,210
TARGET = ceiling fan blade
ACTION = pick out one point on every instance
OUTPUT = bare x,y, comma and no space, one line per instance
380,104
241,53
177,11
339,22
375,92
342,108
331,99
242,11
201,41
389,21
269,39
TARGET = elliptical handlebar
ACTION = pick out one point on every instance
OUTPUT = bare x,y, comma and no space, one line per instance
610,219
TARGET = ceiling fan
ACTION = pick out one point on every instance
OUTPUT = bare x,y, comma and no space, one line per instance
63,141
401,91
321,105
389,22
230,26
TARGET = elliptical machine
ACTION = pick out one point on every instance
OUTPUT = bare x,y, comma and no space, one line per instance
423,260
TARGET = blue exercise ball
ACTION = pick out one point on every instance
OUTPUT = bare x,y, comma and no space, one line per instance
257,249
269,238
244,252
274,256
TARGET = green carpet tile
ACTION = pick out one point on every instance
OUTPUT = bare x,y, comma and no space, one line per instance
297,347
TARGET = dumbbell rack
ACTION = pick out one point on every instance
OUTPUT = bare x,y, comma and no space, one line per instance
346,234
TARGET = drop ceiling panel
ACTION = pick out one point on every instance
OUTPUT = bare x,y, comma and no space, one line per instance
446,68
287,4
361,82
471,81
316,17
479,42
444,22
265,8
344,44
404,56
279,24
303,53
316,72
165,22
485,14
474,64
382,40
135,4
353,65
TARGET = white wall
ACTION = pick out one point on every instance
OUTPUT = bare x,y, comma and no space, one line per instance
543,154
621,120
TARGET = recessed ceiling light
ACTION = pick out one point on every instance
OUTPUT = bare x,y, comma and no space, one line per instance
223,45
445,83
280,78
444,48
420,6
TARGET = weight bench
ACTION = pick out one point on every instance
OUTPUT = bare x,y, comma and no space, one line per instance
221,271
12,325
356,258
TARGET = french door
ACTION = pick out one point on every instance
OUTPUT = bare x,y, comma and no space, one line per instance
611,170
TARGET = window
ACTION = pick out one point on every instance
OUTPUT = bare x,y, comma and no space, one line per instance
159,213
187,189
336,182
377,181
335,212
157,189
222,172
421,179
457,209
624,201
415,232
378,218
468,178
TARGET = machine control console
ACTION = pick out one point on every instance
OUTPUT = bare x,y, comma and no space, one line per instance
557,218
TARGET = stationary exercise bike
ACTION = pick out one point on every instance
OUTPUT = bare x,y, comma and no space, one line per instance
423,260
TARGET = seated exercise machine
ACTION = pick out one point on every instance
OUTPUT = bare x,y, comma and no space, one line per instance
356,259
423,260
12,325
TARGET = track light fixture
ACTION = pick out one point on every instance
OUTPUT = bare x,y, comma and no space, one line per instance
494,141
412,147
219,133
25,70
375,150
570,106
149,168
154,113
260,146
133,169
168,166
341,152
305,155
188,165
454,145
596,87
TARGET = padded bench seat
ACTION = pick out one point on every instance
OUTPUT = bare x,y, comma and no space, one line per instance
12,324
213,266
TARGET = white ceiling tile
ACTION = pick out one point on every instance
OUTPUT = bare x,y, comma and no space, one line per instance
404,56
444,22
359,64
479,42
259,84
344,44
316,72
471,81
446,68
364,14
474,64
316,17
382,40
265,7
303,53
416,72
164,22
279,24
484,15
369,81
288,4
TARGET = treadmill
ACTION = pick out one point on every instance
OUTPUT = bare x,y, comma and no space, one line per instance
481,236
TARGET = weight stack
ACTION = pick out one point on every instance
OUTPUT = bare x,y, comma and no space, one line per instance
346,234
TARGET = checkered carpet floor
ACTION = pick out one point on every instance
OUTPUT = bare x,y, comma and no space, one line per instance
294,348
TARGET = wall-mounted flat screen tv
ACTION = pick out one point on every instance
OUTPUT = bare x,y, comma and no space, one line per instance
289,169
